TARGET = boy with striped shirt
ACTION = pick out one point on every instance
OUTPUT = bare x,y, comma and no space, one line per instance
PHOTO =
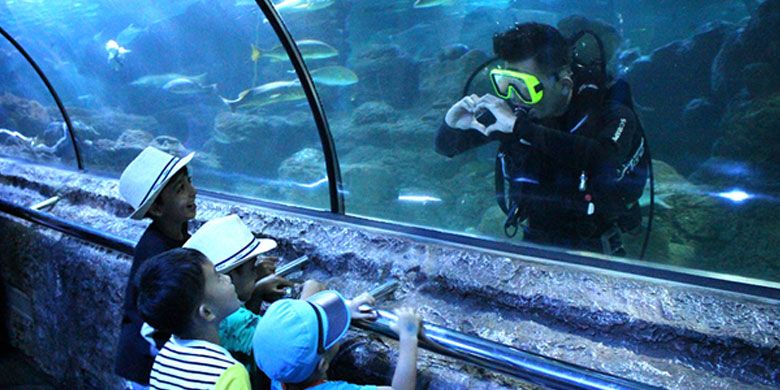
180,291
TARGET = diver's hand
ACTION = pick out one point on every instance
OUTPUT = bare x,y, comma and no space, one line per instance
505,117
462,114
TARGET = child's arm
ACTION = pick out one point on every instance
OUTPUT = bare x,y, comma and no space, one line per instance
311,287
407,326
269,289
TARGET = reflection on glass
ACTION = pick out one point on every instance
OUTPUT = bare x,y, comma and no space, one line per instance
707,107
186,75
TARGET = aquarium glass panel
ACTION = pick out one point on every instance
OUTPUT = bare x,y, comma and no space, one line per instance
31,126
701,77
185,75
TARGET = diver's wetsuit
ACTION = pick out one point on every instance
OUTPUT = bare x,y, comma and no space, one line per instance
595,138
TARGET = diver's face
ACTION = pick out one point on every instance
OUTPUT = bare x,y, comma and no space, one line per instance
557,91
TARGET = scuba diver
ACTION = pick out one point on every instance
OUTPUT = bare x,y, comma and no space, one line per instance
571,149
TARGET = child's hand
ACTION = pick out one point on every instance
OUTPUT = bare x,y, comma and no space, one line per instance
272,287
311,287
360,307
408,323
265,266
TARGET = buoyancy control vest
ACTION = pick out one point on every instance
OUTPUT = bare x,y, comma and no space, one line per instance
616,196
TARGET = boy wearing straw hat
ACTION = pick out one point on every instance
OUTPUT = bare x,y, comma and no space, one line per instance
158,186
236,252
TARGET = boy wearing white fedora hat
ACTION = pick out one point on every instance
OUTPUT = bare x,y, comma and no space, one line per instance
235,251
158,186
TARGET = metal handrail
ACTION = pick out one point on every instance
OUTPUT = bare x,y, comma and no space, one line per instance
526,366
53,93
62,225
323,128
484,353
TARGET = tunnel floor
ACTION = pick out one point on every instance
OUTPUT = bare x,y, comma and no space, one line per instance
17,371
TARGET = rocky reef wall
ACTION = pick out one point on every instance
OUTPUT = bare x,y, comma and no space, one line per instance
64,297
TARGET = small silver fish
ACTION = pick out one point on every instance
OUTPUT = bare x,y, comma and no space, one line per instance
302,5
158,80
128,35
430,3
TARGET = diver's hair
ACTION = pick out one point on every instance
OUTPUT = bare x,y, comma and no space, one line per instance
540,41
170,288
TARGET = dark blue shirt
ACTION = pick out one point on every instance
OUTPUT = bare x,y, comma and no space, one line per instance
134,359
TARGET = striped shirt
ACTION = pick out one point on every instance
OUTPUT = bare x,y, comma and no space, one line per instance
196,364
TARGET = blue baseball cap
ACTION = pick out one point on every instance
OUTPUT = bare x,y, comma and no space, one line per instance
293,333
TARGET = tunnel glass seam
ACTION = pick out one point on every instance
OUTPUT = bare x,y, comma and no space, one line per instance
52,91
326,138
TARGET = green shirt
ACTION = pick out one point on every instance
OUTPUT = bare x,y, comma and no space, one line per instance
236,331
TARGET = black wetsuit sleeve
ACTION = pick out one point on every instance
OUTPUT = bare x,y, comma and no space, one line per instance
611,146
451,141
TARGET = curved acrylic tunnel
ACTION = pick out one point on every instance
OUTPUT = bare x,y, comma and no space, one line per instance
267,94
62,131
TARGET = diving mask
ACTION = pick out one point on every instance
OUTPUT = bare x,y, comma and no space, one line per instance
526,87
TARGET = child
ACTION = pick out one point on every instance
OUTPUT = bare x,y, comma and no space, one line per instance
296,340
181,293
235,251
157,186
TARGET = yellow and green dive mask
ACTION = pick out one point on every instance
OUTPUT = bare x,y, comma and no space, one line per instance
526,87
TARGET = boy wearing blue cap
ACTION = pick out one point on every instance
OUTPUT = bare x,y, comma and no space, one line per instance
180,292
296,340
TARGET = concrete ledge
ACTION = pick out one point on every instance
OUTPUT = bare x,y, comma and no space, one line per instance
660,333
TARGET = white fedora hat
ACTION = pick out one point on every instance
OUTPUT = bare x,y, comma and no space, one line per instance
228,242
146,176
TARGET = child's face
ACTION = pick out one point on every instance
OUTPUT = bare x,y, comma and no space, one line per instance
176,201
220,294
244,278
